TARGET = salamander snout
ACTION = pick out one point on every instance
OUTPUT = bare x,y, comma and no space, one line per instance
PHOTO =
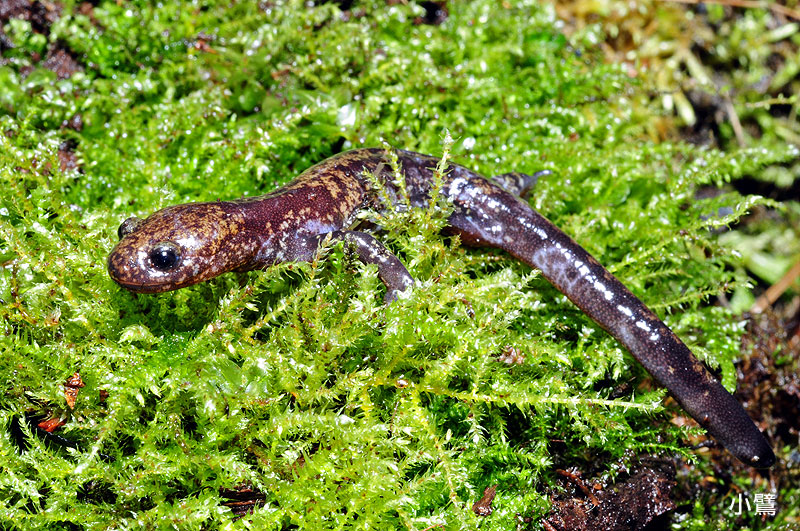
177,247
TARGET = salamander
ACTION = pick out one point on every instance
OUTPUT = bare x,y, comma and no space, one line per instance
190,243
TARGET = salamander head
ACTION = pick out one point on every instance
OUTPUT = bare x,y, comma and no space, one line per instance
179,246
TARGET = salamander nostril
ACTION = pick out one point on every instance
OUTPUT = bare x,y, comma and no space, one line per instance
165,256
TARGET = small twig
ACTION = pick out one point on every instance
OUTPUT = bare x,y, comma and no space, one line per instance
580,484
776,290
735,123
769,102
751,4
548,526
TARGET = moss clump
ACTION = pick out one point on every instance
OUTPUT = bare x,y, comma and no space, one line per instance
297,380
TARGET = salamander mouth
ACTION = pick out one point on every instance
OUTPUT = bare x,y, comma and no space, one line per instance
140,287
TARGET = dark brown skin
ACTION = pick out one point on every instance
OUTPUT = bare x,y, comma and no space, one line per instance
186,244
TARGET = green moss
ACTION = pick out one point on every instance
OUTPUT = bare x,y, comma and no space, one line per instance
297,380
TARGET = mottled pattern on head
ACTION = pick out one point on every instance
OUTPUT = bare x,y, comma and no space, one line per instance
180,246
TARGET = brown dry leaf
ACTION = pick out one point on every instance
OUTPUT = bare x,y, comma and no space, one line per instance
51,425
71,388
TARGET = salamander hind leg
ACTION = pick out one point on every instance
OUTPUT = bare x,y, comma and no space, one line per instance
391,270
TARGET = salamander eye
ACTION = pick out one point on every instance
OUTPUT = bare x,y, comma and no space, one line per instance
165,256
128,226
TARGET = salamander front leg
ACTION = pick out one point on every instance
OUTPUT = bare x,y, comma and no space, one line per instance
391,270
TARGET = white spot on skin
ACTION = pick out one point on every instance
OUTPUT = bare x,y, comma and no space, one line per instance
602,288
188,242
456,185
539,232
